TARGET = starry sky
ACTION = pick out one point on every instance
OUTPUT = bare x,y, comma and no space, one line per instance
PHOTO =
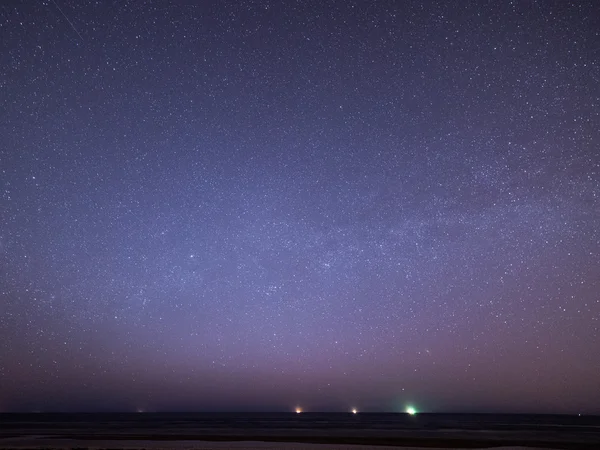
257,205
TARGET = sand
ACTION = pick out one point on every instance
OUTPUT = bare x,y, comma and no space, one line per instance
62,444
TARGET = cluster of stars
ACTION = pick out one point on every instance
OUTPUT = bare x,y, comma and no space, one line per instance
250,204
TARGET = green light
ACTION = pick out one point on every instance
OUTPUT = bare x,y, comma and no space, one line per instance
410,410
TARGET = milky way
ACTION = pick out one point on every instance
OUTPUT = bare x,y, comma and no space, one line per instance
258,205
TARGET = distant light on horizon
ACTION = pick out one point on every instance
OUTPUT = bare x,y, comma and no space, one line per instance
411,410
298,410
354,411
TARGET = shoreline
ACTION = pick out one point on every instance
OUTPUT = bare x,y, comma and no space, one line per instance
149,441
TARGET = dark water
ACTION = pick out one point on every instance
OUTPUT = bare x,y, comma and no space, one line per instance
445,429
395,421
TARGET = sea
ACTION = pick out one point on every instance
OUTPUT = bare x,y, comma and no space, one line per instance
393,429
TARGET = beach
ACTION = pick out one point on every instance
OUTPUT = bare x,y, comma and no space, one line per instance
34,443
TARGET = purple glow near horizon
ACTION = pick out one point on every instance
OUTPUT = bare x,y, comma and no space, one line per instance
263,205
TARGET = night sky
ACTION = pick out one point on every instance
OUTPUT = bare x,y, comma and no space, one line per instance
258,205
